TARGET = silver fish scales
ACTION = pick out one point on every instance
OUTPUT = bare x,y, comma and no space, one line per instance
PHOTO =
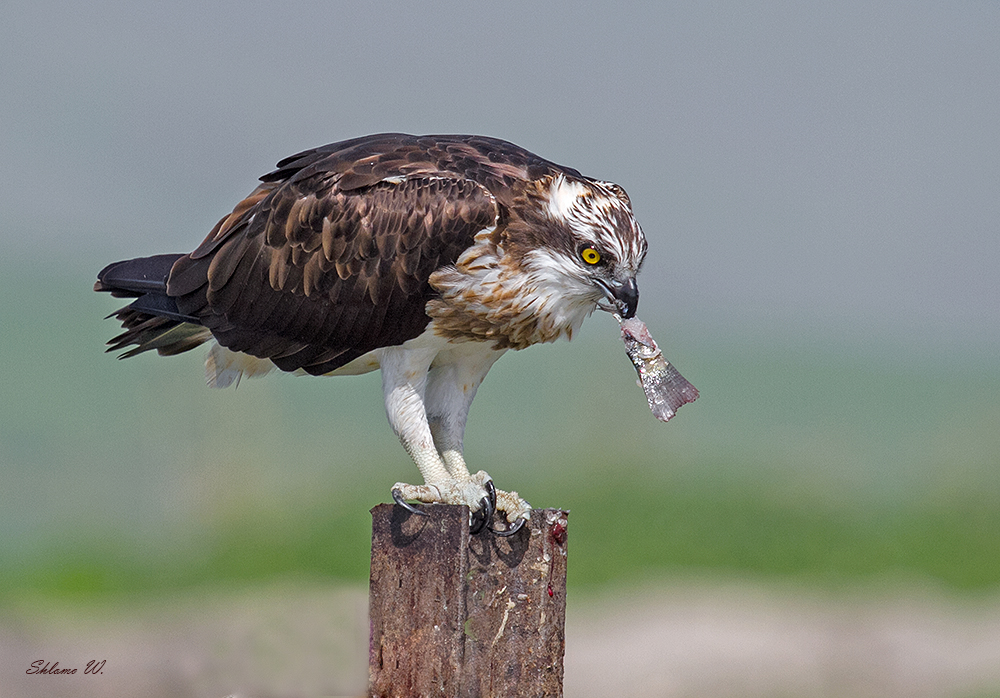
666,389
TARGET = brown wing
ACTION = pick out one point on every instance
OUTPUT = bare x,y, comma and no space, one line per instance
325,262
498,165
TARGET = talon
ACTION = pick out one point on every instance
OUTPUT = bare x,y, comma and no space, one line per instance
491,492
477,519
484,516
515,527
397,497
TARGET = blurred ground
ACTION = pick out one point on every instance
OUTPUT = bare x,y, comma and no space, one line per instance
682,639
743,640
277,641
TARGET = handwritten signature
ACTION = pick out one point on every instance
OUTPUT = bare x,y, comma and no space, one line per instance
41,666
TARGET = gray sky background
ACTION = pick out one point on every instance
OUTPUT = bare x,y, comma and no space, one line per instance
826,166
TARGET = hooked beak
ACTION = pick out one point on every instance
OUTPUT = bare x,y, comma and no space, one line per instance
625,297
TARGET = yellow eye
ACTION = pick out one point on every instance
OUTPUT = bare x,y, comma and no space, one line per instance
590,255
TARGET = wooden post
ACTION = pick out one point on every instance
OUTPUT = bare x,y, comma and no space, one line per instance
462,616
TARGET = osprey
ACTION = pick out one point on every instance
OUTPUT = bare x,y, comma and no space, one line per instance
426,257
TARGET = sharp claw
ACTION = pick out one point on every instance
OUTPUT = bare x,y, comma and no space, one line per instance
477,519
491,492
517,526
484,516
397,497
477,522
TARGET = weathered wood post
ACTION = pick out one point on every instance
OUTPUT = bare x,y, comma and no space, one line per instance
463,616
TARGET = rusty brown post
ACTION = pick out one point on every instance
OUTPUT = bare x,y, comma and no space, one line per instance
462,616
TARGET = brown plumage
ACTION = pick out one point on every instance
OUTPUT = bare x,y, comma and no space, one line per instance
327,260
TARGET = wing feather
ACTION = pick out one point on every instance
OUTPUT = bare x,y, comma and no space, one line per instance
329,257
330,262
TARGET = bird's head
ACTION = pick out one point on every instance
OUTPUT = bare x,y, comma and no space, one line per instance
593,248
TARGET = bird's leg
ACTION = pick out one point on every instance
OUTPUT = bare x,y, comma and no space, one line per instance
449,444
451,387
404,380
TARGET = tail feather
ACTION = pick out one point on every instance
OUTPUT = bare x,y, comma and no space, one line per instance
134,277
152,321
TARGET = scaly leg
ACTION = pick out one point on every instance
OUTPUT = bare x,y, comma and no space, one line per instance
451,386
404,380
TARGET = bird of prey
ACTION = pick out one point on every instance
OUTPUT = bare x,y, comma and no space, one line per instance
425,257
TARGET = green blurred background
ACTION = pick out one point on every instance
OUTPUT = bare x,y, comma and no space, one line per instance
800,459
820,187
